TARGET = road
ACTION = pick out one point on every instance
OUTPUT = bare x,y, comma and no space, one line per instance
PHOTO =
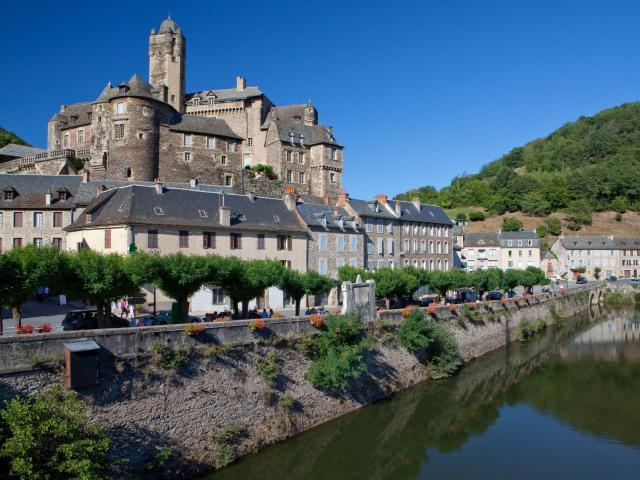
37,313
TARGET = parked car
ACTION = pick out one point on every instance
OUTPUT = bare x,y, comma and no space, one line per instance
149,320
612,278
88,320
634,281
312,310
494,295
510,293
581,280
466,295
396,303
426,300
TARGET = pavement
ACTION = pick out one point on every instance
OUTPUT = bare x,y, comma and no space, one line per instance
37,313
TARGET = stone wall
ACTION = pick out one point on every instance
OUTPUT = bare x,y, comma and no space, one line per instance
147,407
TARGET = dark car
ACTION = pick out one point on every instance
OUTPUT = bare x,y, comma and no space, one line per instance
494,295
88,320
581,280
466,295
427,300
149,320
612,278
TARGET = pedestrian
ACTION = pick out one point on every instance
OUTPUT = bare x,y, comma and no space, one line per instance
123,308
270,312
264,313
132,315
46,293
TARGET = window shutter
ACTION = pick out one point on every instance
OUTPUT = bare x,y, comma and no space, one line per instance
289,243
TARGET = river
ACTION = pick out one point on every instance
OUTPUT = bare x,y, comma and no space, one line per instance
565,405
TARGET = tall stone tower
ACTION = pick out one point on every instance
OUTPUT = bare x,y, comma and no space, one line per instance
167,56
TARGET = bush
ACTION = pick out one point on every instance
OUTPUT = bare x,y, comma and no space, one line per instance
414,333
542,231
168,358
618,217
50,437
337,353
510,224
554,226
268,368
461,217
476,216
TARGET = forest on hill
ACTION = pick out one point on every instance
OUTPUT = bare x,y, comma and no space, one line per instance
7,137
592,164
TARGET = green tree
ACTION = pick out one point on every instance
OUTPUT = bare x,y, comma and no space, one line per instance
9,269
534,203
485,280
292,283
39,267
476,216
554,226
542,230
580,212
316,284
390,282
101,279
50,437
510,224
620,204
511,279
7,137
347,273
461,217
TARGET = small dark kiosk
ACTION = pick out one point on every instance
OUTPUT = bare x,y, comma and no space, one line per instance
81,361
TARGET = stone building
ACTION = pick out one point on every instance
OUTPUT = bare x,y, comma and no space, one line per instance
166,220
402,234
142,131
613,256
504,250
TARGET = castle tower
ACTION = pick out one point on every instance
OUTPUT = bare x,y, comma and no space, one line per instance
167,56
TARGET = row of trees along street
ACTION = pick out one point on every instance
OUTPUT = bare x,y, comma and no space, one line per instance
405,281
101,279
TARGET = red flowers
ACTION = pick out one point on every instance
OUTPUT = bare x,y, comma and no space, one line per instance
44,328
453,307
25,329
317,320
257,324
194,329
406,311
431,309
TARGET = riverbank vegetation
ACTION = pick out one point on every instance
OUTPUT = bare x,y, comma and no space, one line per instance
50,438
615,299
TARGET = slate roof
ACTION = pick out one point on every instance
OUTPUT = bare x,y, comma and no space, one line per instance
314,214
80,110
205,125
524,235
135,204
481,240
426,214
224,95
31,190
87,191
19,151
366,208
599,243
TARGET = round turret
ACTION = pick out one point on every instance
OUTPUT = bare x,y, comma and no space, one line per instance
169,26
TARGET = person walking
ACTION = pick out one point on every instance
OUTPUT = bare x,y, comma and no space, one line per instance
132,316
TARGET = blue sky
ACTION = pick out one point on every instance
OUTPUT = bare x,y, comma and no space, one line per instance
418,92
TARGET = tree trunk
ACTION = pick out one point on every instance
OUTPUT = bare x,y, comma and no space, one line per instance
298,307
100,314
17,315
387,302
245,309
184,310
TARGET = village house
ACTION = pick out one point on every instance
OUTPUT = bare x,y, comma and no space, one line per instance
504,250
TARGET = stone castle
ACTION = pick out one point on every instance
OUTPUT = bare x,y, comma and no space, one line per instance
143,131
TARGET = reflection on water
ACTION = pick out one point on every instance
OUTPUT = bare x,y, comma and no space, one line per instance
562,406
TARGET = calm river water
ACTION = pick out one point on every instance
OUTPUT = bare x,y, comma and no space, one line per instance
564,406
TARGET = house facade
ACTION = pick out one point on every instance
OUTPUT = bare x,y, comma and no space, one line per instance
504,250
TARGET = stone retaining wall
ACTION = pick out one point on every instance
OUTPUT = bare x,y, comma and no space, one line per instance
146,407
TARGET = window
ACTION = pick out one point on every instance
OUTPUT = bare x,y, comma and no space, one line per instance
332,177
37,242
289,156
439,248
301,177
291,137
519,243
217,295
65,142
334,154
284,242
369,226
289,176
127,172
353,262
38,219
322,266
81,136
531,253
340,243
249,142
8,195
223,160
120,108
56,242
353,243
211,142
261,241
390,246
389,227
430,246
183,239
186,140
17,219
118,130
380,226
152,238
141,135
107,238
322,242
415,246
196,101
381,246
446,247
208,240
231,145
228,180
187,156
158,211
211,101
235,241
301,158
415,228
202,213
17,242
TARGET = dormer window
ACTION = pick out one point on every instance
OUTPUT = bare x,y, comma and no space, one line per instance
291,137
323,220
196,101
74,118
63,195
276,218
211,100
9,195
158,211
301,137
202,213
242,218
123,89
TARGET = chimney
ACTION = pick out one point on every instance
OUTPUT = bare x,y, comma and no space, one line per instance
380,198
225,216
159,186
326,200
193,183
416,203
86,176
290,198
343,198
241,83
48,197
398,208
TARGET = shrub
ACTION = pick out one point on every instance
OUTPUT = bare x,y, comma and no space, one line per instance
406,311
192,329
413,334
50,437
476,216
461,217
618,217
554,225
510,224
286,401
442,356
317,320
268,368
168,358
453,308
257,324
25,329
542,231
432,309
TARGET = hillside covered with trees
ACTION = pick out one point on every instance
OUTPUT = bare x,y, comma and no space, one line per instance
592,164
7,137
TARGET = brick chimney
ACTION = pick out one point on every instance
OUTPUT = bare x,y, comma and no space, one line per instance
416,203
224,213
290,197
381,198
241,83
343,198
